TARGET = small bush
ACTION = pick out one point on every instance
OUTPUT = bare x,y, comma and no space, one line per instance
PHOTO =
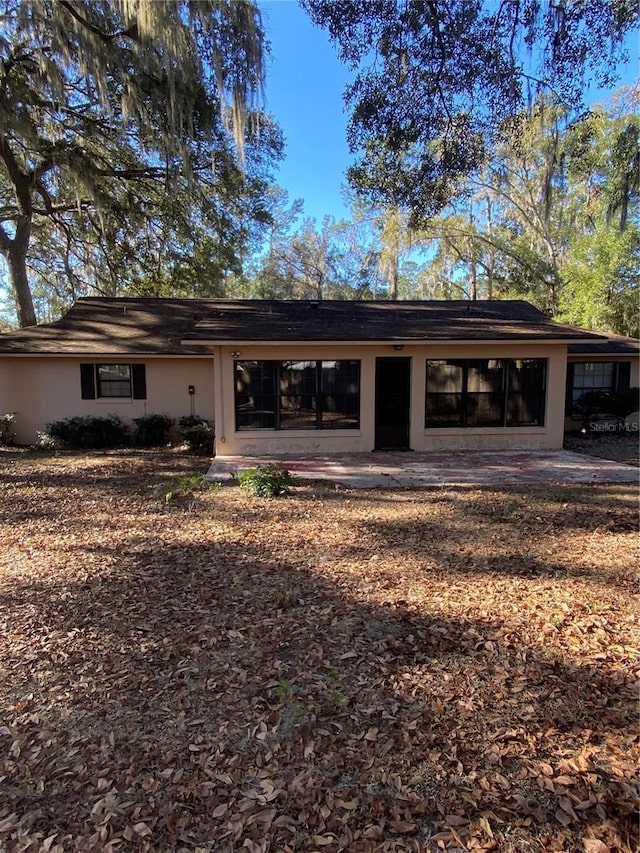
183,493
87,432
595,405
7,435
152,430
197,433
265,481
47,442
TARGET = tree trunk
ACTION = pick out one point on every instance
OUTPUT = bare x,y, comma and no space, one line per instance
393,279
473,295
15,253
492,255
20,284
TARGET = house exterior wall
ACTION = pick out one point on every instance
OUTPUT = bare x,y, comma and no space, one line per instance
230,442
40,390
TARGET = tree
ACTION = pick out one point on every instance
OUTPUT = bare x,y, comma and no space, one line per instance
267,276
308,264
601,272
329,260
554,218
108,112
437,81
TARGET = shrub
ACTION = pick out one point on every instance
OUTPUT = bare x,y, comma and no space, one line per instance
616,404
89,432
197,433
152,430
7,435
183,493
622,404
265,481
46,442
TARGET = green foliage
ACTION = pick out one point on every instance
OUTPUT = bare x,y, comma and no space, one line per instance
553,218
284,691
89,432
602,404
117,164
326,260
184,492
197,433
266,481
624,403
601,280
435,84
46,442
152,430
285,597
7,436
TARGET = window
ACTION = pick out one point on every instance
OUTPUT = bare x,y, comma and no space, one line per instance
256,394
298,394
526,391
585,377
303,395
113,381
592,376
445,386
340,394
485,392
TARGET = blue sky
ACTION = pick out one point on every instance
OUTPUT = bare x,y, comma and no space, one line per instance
305,85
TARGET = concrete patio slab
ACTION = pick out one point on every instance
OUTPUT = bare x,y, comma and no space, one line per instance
420,470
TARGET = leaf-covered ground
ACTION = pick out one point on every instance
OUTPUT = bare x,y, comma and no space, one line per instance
336,670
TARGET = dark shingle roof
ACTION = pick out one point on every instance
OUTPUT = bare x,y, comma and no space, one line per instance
614,345
380,321
120,326
101,326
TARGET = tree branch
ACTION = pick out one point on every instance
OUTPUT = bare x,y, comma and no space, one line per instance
131,32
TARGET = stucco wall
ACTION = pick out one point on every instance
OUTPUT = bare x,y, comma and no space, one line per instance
264,442
40,390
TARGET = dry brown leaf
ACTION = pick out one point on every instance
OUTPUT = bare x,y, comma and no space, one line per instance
592,845
402,826
251,676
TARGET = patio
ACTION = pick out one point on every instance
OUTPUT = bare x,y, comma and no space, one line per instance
420,470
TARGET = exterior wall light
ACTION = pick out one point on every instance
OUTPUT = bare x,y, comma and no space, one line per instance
398,347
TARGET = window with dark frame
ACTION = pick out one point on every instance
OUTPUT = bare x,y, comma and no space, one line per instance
297,395
589,376
256,394
485,392
113,381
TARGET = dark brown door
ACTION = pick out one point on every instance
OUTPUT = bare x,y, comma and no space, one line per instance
393,384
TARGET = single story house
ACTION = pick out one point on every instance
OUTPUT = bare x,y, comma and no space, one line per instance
311,377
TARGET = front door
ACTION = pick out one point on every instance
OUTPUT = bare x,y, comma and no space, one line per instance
393,384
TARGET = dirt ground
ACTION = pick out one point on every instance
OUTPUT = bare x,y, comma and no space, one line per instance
620,448
186,670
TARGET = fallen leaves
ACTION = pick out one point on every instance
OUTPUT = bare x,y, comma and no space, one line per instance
380,671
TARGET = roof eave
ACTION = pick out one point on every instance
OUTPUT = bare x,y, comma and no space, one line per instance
217,342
